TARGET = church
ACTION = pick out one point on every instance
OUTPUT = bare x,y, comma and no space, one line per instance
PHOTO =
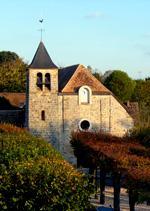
62,100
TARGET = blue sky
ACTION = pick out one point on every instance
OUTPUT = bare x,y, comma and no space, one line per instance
105,34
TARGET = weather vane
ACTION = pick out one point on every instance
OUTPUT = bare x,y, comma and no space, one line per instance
41,30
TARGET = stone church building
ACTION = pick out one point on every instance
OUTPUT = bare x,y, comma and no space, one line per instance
59,101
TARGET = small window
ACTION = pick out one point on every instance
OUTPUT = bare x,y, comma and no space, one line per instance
84,125
84,95
43,115
39,82
48,81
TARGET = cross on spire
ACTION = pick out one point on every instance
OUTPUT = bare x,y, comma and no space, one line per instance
41,30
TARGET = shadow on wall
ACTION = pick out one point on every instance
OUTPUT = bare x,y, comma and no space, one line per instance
59,134
125,124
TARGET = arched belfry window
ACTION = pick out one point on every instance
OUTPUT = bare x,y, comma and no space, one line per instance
39,81
43,115
48,81
85,95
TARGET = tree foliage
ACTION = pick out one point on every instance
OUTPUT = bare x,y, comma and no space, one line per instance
12,72
97,75
128,156
120,84
95,72
142,96
8,56
36,177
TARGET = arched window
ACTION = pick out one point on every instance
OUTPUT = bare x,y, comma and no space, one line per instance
39,81
48,81
84,95
43,115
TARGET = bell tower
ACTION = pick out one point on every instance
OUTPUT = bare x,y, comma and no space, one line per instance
42,96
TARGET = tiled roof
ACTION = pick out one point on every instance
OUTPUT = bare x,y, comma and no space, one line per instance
15,99
65,74
76,76
42,59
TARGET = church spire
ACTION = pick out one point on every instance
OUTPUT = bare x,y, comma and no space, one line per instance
42,59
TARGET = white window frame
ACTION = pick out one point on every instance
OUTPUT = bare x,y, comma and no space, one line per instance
89,95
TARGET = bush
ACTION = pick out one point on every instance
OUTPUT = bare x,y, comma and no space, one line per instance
35,177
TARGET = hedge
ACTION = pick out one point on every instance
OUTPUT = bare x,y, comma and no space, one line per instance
36,177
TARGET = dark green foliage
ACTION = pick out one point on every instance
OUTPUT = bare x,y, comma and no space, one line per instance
120,84
35,177
12,72
142,92
142,96
8,56
142,134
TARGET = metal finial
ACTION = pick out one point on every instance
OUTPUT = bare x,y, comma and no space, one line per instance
41,30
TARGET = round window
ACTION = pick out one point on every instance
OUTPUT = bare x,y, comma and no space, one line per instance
84,125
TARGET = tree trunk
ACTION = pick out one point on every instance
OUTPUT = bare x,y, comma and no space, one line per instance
116,183
102,185
132,200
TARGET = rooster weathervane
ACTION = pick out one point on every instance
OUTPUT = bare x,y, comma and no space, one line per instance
41,30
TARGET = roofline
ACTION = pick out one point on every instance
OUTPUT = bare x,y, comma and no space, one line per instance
75,72
43,68
122,104
76,93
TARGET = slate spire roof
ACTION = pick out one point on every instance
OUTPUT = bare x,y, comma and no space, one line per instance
42,59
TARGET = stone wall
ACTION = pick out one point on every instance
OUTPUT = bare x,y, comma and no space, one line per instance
45,100
63,112
104,113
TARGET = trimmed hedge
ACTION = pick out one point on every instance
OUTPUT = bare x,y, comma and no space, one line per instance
36,177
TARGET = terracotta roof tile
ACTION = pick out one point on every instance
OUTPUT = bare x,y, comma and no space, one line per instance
15,99
79,77
65,74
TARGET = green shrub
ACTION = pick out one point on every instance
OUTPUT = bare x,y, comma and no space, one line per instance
36,177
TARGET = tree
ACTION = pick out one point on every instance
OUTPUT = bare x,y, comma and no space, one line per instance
12,72
106,74
142,96
97,75
120,84
95,72
124,157
7,56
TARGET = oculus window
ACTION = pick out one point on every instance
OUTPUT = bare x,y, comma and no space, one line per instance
85,125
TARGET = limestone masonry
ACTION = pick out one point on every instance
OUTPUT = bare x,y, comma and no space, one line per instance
63,100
